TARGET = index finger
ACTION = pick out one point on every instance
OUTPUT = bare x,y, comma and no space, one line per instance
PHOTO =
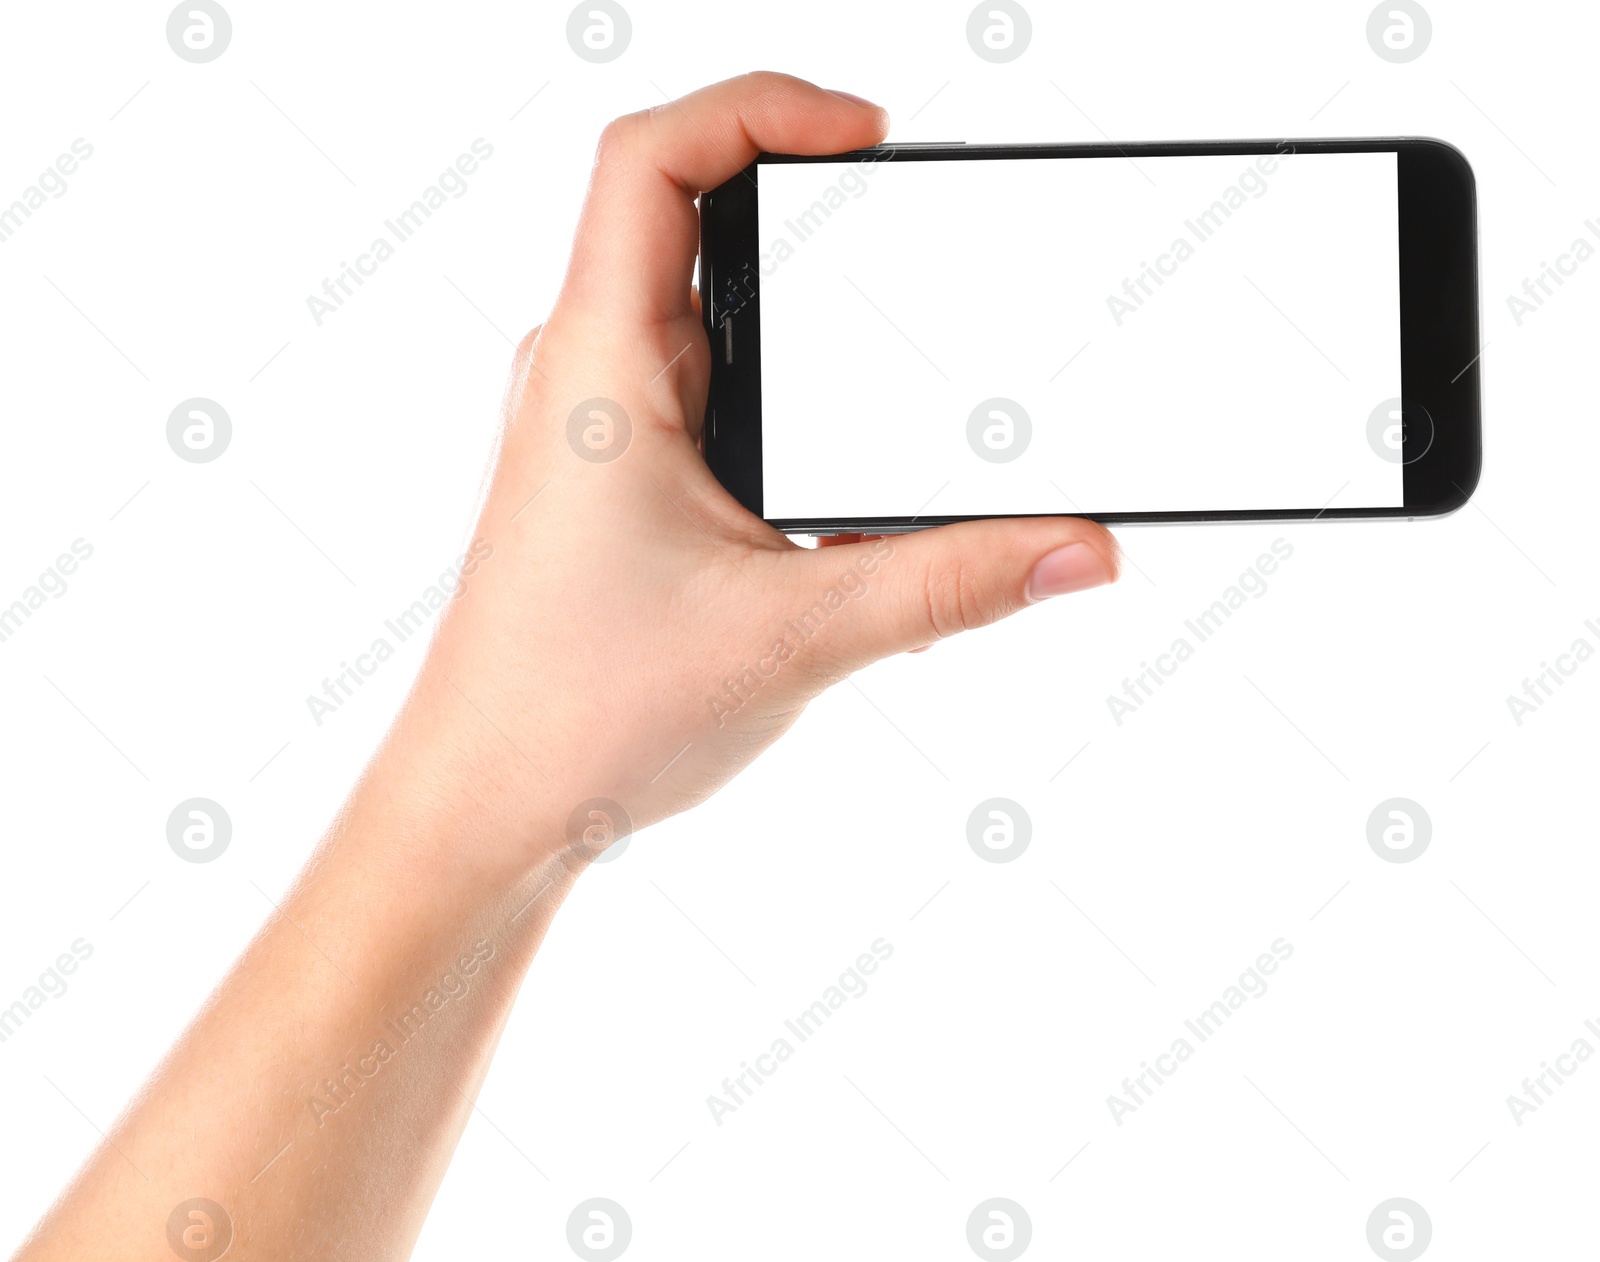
636,243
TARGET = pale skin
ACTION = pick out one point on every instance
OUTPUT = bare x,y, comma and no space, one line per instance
583,655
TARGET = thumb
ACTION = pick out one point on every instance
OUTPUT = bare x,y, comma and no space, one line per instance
912,590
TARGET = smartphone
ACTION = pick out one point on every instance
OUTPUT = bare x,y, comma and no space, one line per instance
1216,331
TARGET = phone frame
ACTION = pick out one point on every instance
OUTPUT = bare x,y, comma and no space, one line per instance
1439,322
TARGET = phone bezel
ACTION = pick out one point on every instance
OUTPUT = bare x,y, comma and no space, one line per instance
1439,323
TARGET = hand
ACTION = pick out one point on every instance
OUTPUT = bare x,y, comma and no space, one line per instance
626,631
637,635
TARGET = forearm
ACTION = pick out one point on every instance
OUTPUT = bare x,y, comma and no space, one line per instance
592,674
319,1095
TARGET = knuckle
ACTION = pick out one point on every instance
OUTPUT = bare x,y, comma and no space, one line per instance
527,346
523,360
762,81
618,140
951,602
765,81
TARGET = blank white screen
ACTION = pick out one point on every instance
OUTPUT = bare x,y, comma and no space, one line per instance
1183,333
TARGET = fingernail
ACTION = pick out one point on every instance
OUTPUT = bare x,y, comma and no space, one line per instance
854,99
1072,568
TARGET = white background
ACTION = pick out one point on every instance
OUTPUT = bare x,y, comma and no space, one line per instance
1244,381
1224,814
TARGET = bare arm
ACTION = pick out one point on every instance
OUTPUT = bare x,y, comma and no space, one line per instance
315,1102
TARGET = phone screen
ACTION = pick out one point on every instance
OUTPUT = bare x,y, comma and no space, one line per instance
1097,335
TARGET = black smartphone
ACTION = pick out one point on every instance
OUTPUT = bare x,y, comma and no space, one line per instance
1209,331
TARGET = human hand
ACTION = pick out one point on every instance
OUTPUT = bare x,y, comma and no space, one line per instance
627,632
637,635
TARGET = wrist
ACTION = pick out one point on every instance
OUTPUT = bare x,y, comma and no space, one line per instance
447,812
